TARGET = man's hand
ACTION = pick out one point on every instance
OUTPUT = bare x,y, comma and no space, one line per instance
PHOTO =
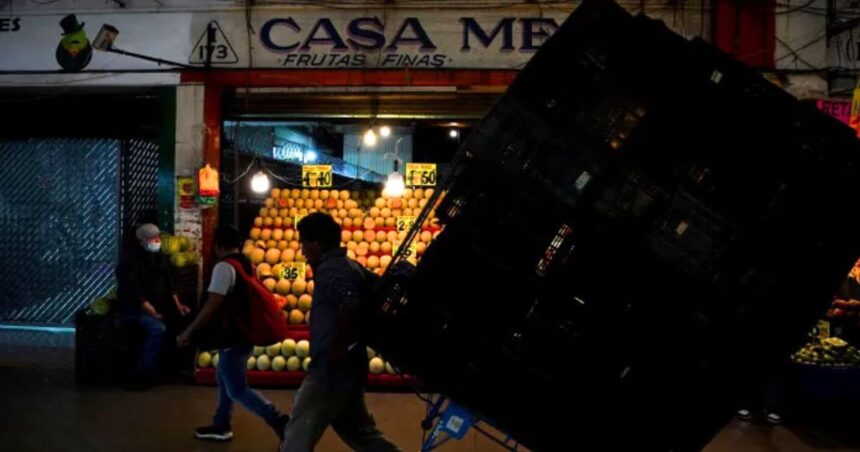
183,310
150,309
183,339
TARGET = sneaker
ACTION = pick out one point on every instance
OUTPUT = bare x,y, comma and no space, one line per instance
773,419
744,414
214,433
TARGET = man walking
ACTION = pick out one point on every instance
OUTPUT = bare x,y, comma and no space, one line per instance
226,309
333,391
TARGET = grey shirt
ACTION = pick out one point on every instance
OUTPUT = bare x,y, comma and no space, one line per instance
338,286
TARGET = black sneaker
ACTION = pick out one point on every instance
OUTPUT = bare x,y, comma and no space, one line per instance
214,433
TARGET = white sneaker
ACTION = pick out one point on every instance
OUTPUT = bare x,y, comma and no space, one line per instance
744,414
773,419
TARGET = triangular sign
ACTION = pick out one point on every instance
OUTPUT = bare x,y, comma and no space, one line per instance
221,50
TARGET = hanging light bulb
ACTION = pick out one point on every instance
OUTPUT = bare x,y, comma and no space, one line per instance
453,133
385,131
394,186
369,138
260,182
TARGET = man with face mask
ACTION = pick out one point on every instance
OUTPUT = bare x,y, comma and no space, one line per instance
147,295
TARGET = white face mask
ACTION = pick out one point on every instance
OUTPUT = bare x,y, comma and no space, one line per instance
153,247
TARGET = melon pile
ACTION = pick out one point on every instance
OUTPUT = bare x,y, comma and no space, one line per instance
378,365
286,356
368,219
290,356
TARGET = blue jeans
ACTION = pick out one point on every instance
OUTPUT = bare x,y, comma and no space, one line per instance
155,332
233,386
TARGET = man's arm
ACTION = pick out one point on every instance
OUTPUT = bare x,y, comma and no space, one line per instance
183,309
350,303
213,304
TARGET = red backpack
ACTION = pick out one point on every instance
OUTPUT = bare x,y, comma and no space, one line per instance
265,324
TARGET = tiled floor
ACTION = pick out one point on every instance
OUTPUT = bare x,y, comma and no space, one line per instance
42,410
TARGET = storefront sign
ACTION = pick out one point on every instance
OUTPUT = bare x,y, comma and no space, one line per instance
420,174
293,271
839,109
41,38
10,24
404,224
316,176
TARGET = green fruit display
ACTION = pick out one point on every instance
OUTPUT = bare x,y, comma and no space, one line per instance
179,260
829,352
184,244
170,245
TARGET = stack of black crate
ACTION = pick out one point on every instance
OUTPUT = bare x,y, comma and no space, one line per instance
636,234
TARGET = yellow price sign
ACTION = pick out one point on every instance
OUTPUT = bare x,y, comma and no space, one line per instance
293,271
412,251
420,174
404,224
316,176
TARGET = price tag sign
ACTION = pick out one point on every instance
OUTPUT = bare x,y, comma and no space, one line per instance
413,248
420,174
316,176
404,224
293,271
823,329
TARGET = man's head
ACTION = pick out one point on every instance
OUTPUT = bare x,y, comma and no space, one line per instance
319,234
149,237
227,240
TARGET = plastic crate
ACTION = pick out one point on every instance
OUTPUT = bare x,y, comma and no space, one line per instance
635,217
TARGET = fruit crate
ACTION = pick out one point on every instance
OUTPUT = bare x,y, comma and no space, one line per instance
100,347
620,212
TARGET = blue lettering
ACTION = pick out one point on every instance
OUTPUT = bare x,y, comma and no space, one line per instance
377,38
472,25
266,34
332,37
420,36
529,32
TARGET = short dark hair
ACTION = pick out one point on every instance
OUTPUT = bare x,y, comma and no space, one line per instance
228,237
320,227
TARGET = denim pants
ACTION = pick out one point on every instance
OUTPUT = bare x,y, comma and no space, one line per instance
155,332
233,386
318,406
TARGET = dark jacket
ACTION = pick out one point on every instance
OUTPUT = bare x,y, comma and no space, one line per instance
142,275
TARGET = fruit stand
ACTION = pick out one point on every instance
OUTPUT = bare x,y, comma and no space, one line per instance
828,366
373,225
